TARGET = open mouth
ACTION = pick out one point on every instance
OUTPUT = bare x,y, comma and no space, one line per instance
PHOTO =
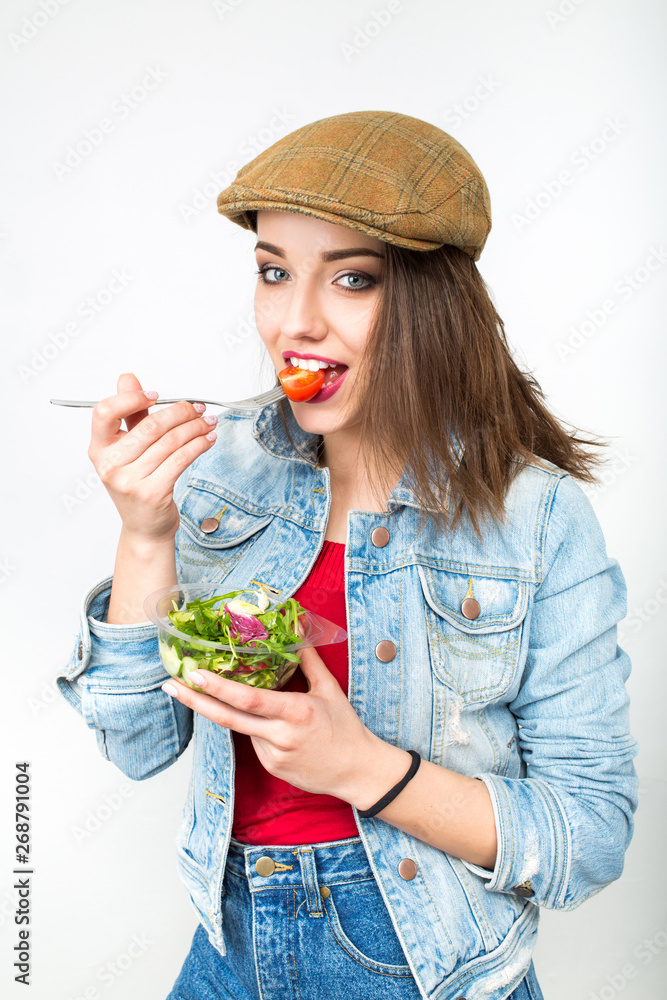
333,373
333,380
314,364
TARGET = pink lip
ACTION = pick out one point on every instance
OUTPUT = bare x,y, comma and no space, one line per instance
328,392
315,357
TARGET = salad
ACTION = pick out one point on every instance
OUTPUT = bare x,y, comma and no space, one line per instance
244,638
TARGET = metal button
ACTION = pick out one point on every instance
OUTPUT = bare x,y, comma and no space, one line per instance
385,650
407,868
209,524
380,537
523,890
470,608
80,652
265,866
325,892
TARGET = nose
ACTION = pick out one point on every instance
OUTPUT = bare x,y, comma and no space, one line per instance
303,316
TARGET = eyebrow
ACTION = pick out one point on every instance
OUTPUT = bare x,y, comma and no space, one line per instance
326,255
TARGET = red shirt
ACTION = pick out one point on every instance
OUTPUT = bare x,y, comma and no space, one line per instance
268,810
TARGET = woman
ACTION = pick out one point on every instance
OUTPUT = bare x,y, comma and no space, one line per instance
388,823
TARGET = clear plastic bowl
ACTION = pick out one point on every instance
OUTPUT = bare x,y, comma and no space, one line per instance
182,653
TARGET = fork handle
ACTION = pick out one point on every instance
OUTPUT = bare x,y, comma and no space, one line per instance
157,402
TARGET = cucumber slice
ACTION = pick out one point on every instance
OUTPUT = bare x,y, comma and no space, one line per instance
170,658
190,664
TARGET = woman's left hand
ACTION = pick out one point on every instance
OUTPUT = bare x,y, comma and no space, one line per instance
313,740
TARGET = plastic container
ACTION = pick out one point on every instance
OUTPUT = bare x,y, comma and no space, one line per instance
250,663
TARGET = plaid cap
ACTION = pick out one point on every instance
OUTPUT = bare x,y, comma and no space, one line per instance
394,177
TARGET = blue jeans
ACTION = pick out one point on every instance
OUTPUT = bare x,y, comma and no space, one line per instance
287,939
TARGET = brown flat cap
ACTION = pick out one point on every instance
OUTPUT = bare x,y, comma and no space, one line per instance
394,177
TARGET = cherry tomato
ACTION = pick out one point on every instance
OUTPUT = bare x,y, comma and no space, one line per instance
300,384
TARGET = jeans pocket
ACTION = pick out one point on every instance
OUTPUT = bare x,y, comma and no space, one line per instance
361,925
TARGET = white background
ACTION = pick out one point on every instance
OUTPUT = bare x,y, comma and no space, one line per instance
534,88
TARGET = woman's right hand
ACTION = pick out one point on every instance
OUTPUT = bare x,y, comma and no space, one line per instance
139,467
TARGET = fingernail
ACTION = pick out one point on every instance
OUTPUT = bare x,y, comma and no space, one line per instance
212,436
199,407
197,678
170,689
211,419
151,394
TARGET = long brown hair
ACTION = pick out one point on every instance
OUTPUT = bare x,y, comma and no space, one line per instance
437,374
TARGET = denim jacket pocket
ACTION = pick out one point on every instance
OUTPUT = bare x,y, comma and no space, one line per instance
477,658
205,547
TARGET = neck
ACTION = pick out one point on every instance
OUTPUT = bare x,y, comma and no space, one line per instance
343,455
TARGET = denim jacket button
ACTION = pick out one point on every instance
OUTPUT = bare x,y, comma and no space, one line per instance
385,650
380,537
407,868
265,866
80,651
209,524
523,890
470,608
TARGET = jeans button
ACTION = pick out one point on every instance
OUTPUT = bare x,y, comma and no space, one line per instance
407,868
524,890
265,866
470,608
380,537
385,650
209,524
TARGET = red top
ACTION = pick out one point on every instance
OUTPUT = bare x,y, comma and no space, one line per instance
268,810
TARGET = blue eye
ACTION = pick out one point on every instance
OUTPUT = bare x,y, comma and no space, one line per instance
368,281
264,271
354,288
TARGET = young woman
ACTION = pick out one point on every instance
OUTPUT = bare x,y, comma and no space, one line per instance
388,823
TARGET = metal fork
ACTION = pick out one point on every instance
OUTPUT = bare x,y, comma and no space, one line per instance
251,403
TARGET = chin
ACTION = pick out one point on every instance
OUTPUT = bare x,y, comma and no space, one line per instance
314,418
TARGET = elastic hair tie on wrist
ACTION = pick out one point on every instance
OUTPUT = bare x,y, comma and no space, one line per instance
393,792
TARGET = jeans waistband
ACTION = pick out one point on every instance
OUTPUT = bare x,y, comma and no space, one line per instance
277,866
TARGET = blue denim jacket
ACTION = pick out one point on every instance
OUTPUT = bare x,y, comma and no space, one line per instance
529,696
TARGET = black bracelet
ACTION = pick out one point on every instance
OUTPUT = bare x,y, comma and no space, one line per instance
393,792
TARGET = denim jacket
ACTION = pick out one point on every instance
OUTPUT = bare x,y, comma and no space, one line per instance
529,696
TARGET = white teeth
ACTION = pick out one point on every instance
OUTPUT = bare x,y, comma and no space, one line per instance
309,364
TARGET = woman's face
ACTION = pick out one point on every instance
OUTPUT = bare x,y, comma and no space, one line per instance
316,295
